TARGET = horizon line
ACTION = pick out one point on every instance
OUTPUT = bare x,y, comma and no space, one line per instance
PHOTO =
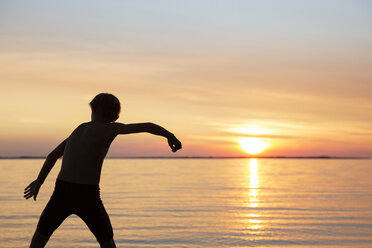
205,157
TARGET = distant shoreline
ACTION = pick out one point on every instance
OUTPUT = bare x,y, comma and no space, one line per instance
203,157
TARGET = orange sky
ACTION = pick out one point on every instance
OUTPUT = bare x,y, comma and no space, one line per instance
209,72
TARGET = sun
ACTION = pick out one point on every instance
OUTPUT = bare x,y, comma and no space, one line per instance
253,145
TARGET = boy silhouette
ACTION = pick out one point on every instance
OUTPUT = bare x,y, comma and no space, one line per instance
77,186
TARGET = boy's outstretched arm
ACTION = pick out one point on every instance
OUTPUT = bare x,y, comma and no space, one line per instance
33,188
149,127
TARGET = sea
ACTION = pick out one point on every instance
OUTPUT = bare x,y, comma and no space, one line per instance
205,203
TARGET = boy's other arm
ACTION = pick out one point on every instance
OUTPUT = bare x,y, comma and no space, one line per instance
149,127
50,160
33,188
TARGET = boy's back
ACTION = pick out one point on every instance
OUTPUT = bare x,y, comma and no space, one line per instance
85,151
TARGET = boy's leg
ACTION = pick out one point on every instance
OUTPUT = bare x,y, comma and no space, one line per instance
54,213
108,244
38,240
94,214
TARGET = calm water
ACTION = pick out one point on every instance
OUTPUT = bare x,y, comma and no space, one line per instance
206,203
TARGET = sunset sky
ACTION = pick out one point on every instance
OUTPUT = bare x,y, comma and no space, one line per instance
294,76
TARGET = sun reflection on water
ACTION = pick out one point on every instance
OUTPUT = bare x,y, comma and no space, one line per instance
253,193
253,183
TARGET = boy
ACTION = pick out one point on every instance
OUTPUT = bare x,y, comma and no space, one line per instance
77,185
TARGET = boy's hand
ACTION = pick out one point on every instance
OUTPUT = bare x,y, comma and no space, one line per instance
32,190
174,143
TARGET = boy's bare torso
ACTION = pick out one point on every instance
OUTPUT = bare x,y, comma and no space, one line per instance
85,151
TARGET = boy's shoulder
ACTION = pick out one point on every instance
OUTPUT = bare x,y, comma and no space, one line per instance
98,124
94,130
111,127
108,126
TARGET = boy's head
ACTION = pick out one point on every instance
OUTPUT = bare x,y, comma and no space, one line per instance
105,107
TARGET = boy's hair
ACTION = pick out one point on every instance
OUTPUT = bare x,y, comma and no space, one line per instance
106,107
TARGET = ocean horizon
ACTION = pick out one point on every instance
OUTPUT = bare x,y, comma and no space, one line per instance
205,157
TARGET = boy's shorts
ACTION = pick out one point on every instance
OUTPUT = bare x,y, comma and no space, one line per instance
81,199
